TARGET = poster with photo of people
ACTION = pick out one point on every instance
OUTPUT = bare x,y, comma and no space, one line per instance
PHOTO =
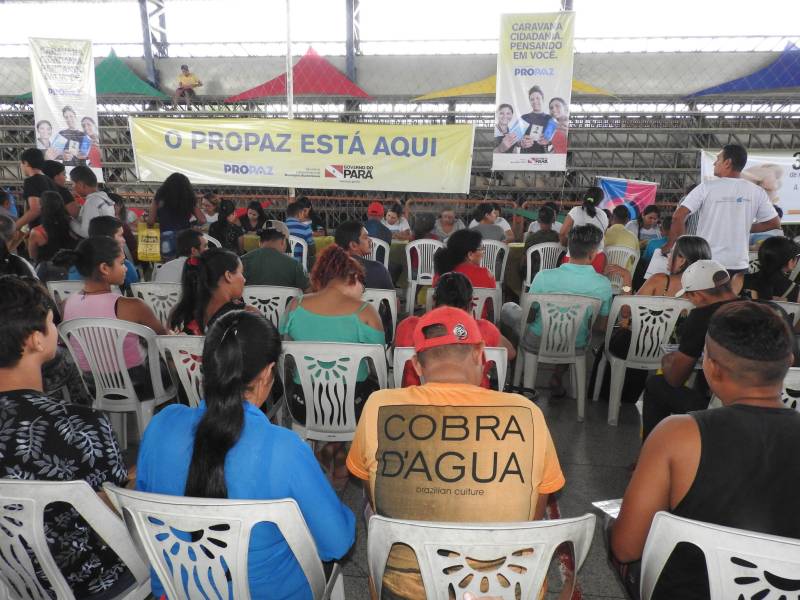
534,87
65,102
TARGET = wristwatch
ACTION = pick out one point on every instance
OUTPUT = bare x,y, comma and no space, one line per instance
626,289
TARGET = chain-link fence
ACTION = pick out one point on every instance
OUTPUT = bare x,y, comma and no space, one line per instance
635,111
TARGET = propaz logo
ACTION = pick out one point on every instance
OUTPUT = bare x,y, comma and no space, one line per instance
336,171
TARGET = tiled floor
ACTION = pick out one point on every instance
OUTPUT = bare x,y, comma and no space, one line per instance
594,458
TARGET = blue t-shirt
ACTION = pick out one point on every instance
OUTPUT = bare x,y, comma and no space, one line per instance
302,230
267,463
652,246
131,274
580,280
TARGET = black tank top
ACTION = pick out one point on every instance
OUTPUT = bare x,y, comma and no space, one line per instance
748,478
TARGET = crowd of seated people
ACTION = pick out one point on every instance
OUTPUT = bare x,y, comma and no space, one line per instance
694,461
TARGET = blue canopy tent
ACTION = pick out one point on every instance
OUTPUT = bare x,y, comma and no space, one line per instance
782,73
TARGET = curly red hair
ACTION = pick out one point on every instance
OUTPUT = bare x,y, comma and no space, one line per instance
335,264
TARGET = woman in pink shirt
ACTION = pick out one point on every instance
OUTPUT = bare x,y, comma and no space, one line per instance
101,263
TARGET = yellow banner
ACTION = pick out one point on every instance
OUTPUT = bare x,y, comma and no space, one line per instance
305,154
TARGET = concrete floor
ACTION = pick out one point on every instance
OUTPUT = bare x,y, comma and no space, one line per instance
595,459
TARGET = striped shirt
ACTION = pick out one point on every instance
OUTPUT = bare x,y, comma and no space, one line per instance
303,231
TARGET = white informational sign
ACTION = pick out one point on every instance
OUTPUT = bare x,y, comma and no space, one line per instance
778,173
534,88
65,102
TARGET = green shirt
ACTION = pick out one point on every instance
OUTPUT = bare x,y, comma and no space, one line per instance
267,266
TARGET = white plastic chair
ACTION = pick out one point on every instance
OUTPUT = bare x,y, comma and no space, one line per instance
61,290
379,248
479,299
445,552
624,257
186,352
216,557
548,253
270,300
29,266
160,297
295,241
791,389
101,342
753,266
561,316
403,354
740,564
378,297
495,258
424,249
792,309
328,373
653,320
23,504
212,242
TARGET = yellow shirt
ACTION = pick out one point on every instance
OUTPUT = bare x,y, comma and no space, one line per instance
451,452
189,80
617,235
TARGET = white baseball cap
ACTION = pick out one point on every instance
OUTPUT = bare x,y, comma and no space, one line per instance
703,275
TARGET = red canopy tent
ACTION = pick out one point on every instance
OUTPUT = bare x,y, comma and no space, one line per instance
312,76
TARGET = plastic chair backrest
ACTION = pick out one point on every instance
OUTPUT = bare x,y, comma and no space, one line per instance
61,290
740,564
425,249
328,373
753,266
498,356
186,352
101,342
549,253
446,553
270,300
212,242
206,541
481,296
379,298
295,241
379,250
624,257
653,320
402,354
791,389
495,258
160,297
562,315
22,508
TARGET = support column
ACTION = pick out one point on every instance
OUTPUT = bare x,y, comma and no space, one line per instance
154,35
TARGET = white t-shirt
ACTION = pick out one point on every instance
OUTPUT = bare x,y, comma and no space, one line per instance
658,264
500,222
97,204
170,272
728,207
534,226
633,227
401,225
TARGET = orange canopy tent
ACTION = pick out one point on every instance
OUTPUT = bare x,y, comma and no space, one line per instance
311,76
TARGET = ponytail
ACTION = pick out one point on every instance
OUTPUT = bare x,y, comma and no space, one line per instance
89,255
591,198
459,245
200,278
238,347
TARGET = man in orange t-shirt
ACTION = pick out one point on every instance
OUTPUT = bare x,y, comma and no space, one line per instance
450,450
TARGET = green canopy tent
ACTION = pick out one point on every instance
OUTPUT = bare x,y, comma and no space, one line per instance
114,78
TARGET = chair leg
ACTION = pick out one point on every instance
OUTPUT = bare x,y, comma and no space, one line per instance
531,368
118,424
335,588
580,389
615,391
598,380
144,412
411,298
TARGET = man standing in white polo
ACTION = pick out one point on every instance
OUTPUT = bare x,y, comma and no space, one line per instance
730,208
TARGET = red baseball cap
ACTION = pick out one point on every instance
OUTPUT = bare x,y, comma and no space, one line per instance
460,328
375,209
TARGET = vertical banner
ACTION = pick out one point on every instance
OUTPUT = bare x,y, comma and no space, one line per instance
618,191
65,102
778,173
534,87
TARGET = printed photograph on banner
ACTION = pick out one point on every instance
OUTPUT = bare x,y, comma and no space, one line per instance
534,89
65,102
777,173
